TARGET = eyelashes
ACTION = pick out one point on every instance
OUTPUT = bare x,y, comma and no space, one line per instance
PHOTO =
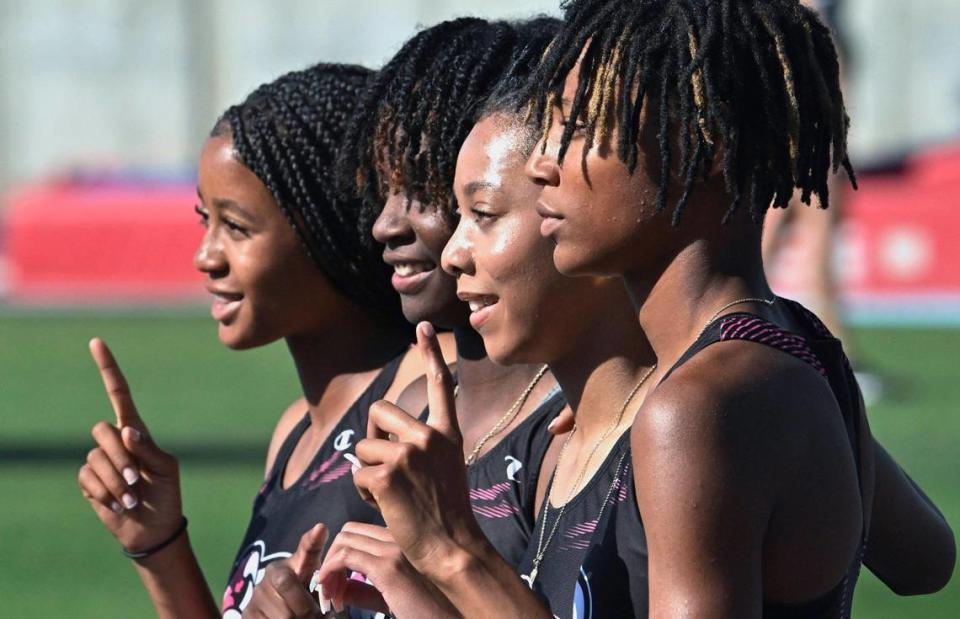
235,228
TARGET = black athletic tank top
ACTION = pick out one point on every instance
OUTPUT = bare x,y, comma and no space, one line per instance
324,493
503,481
610,579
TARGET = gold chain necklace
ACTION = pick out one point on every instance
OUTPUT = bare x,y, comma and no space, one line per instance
507,418
767,302
543,545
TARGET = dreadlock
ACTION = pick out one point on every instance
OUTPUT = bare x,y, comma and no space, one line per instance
289,133
759,78
418,111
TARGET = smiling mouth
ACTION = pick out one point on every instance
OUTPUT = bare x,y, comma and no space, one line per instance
410,277
481,308
225,306
409,269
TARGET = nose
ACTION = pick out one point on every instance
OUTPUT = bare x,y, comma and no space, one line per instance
457,256
209,257
541,166
392,227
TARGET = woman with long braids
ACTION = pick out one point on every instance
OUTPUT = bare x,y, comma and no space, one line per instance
404,142
282,259
750,484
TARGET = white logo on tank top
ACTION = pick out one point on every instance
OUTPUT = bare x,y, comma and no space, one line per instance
513,467
343,442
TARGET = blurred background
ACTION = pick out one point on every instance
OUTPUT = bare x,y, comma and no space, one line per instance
103,107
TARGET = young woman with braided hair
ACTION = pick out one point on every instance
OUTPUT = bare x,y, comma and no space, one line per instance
403,140
283,259
749,484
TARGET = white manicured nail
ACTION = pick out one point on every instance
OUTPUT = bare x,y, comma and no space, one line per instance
324,602
129,501
314,581
116,507
131,475
355,462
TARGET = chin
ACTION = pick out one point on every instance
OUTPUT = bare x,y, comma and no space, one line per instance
236,339
447,316
512,353
576,261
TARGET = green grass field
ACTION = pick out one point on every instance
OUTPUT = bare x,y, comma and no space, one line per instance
217,408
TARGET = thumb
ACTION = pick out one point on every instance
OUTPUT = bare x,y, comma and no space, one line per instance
309,555
443,412
141,446
115,384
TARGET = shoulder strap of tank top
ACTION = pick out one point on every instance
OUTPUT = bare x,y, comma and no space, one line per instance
751,328
381,384
286,448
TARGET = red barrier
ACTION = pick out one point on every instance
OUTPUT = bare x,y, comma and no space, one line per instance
82,244
899,239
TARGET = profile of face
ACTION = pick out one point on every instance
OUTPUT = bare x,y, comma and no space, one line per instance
521,305
601,218
264,285
414,235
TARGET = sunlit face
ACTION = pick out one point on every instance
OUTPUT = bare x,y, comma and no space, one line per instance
600,217
414,235
264,285
521,305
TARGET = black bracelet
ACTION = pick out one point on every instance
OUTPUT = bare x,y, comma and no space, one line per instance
143,554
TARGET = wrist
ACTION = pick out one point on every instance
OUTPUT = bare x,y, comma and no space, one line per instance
451,562
141,554
174,555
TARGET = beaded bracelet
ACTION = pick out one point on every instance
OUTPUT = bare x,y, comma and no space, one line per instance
143,554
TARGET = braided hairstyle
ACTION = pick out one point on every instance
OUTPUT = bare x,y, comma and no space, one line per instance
289,133
417,112
758,78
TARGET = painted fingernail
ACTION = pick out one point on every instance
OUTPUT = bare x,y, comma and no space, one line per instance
337,605
324,602
129,501
355,462
135,434
315,581
427,330
116,507
131,475
552,424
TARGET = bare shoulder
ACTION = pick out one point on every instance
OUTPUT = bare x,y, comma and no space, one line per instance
409,369
411,366
290,417
735,411
414,397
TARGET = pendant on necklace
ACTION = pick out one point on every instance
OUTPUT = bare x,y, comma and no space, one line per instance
529,578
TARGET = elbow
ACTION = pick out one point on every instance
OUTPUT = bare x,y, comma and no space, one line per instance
933,575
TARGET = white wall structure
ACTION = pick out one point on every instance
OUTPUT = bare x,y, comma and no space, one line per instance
99,84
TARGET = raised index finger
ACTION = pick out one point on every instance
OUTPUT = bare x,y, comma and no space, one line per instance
116,386
443,413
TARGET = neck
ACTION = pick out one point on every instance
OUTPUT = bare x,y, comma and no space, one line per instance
486,389
361,347
675,304
602,364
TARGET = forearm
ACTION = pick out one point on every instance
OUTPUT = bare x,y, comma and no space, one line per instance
175,583
480,583
910,547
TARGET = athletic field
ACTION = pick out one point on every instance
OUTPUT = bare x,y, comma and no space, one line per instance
215,409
